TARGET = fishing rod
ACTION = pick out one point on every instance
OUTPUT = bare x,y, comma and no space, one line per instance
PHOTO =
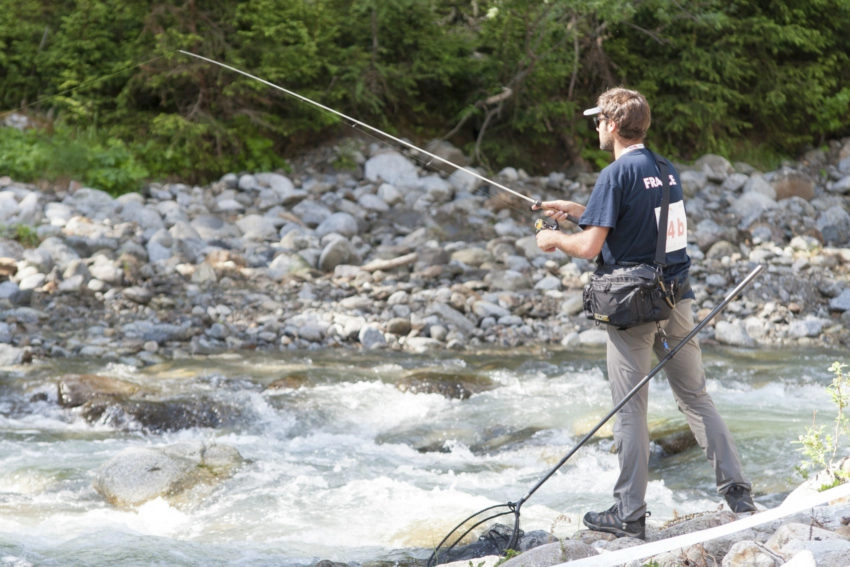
464,528
535,203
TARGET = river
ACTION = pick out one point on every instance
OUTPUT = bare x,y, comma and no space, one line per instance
351,468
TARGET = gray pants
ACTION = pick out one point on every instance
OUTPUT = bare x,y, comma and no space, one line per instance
629,354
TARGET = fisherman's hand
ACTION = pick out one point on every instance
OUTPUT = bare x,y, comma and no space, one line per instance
560,210
547,240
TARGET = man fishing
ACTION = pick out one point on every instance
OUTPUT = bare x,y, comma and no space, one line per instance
619,223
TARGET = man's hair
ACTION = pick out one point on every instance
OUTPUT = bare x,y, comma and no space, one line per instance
628,109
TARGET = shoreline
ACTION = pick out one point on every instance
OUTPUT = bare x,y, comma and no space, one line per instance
388,255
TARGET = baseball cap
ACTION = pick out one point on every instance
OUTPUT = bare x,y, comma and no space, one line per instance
592,111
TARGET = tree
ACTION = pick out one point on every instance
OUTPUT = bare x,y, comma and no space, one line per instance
719,71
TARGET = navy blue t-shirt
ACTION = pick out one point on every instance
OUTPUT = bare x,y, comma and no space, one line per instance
625,199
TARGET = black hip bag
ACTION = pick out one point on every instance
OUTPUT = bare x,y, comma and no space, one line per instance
626,295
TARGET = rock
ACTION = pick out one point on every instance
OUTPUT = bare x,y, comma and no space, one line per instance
138,294
789,183
758,184
717,168
158,416
827,548
11,355
752,554
76,390
451,386
92,203
137,475
337,252
834,226
750,206
343,243
508,280
256,227
494,541
733,333
371,337
393,168
340,223
841,302
552,554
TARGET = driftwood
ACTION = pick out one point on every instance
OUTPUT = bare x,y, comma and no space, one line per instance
376,265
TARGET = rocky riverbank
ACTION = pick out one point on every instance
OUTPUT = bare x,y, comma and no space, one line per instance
809,529
361,247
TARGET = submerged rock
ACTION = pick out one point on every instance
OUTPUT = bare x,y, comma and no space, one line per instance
137,475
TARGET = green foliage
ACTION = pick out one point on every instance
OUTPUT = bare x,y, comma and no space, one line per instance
108,164
22,233
504,79
819,447
721,70
26,235
508,554
112,166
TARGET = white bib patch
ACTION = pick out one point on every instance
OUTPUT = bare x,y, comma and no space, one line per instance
677,226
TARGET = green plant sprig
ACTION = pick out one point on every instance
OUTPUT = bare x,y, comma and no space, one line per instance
821,448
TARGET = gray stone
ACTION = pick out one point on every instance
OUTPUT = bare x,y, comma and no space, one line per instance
551,554
693,182
373,203
463,181
106,270
508,280
488,309
133,209
716,167
371,337
842,187
11,355
256,227
92,203
758,184
751,554
472,256
393,168
436,189
337,252
841,302
452,317
733,333
339,223
834,225
140,474
828,548
750,205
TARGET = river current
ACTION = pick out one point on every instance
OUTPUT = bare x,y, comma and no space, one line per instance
349,467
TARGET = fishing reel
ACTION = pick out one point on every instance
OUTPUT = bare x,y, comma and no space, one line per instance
548,223
545,224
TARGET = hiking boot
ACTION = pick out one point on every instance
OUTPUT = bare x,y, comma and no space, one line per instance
610,522
739,499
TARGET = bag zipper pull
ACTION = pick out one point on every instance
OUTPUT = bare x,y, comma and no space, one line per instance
663,335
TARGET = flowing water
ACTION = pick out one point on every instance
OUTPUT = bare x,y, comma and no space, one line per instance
351,468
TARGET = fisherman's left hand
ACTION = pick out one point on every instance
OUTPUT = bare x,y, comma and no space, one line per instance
547,240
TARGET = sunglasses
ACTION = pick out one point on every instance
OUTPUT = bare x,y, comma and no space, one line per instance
597,119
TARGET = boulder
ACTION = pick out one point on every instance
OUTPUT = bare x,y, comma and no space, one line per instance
137,475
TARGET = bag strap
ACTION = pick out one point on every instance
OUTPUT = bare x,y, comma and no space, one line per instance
661,245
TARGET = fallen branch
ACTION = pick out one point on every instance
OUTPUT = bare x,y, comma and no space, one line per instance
376,265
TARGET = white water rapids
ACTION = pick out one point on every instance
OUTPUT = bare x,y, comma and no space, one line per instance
351,468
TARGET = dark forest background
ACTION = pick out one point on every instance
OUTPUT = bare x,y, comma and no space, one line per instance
112,103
